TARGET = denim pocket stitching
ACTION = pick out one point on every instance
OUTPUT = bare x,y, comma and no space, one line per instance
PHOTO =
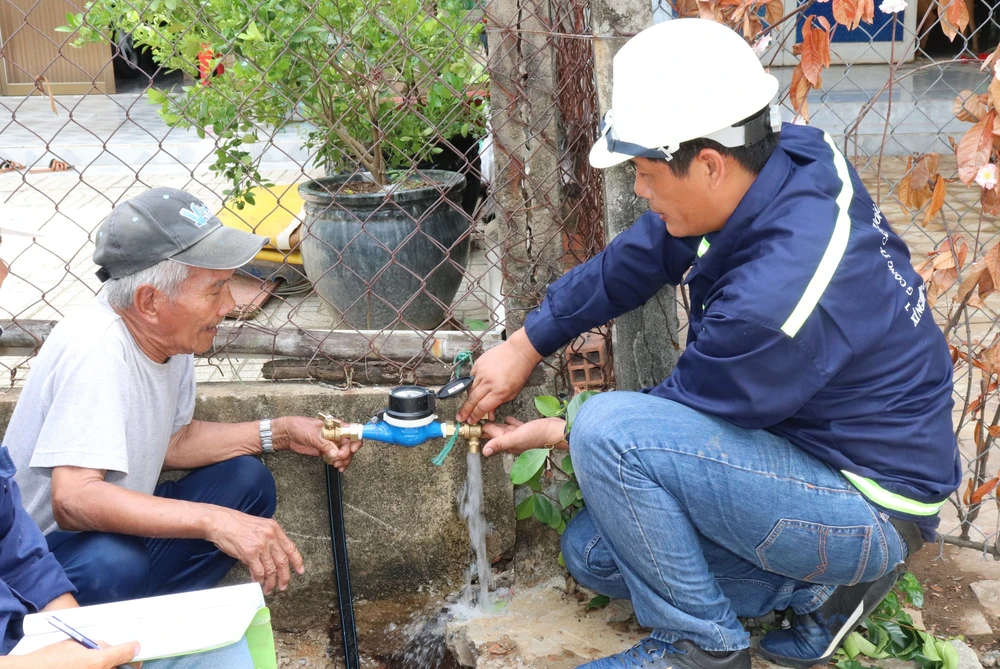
616,574
824,531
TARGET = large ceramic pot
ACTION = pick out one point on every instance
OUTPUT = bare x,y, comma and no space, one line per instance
379,259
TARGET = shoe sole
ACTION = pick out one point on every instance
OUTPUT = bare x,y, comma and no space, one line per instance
863,611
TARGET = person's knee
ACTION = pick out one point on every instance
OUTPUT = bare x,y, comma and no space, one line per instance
110,568
598,418
252,485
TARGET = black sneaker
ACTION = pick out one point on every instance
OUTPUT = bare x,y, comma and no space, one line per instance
814,637
651,653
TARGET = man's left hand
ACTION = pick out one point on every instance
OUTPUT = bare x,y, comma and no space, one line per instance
304,435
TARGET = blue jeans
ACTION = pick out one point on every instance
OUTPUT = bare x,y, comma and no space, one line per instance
108,567
235,656
698,521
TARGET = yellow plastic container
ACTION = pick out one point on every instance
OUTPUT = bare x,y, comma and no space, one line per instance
273,211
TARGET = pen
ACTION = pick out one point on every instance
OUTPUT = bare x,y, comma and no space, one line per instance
71,633
74,635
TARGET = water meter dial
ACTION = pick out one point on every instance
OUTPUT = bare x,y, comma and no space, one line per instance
410,403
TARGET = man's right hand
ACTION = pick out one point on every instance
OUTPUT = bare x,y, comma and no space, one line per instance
259,543
71,654
500,374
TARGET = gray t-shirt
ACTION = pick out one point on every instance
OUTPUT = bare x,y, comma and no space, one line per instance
93,399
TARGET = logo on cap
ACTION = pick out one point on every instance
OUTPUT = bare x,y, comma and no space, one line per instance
197,214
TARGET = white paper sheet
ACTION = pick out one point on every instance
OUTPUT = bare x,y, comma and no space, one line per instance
164,626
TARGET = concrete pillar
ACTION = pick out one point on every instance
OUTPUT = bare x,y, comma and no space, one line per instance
527,190
646,344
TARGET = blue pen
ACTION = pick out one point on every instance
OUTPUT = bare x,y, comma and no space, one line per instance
73,634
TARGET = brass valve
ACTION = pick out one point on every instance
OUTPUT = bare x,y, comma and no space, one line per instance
333,429
471,432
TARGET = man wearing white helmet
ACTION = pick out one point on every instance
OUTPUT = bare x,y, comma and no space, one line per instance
803,445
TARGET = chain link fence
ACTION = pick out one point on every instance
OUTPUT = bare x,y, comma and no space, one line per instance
444,150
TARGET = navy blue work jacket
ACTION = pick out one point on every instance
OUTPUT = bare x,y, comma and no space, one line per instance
807,320
30,576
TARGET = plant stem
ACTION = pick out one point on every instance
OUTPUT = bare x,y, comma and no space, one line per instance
888,111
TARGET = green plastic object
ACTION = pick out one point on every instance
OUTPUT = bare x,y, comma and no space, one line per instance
260,639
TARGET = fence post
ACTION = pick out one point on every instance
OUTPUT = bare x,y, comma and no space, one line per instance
645,340
527,187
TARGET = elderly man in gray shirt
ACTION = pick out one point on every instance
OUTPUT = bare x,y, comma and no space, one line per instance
109,403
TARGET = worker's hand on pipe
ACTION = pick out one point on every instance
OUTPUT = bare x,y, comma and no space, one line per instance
259,543
305,436
500,374
516,437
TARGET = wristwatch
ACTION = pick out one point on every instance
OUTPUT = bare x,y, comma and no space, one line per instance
266,444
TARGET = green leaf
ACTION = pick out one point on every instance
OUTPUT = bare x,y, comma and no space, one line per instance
948,653
849,664
156,96
548,406
912,588
567,493
525,509
475,325
544,511
562,563
863,646
598,602
895,633
528,464
567,465
535,482
575,404
929,648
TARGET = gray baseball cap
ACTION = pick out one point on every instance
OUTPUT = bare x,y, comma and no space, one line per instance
169,223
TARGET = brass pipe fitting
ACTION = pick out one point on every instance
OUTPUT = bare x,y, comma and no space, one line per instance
472,433
333,429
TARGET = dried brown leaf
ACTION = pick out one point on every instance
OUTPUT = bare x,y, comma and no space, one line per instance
868,11
993,93
967,495
975,148
983,490
990,59
954,17
937,200
992,262
815,52
944,279
986,287
798,92
991,201
848,13
968,107
925,269
970,281
773,11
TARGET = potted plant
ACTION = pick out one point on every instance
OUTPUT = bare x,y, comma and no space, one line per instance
375,88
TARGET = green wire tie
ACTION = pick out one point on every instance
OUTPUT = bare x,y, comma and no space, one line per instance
440,457
463,358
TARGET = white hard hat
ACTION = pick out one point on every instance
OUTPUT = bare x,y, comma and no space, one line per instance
681,80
